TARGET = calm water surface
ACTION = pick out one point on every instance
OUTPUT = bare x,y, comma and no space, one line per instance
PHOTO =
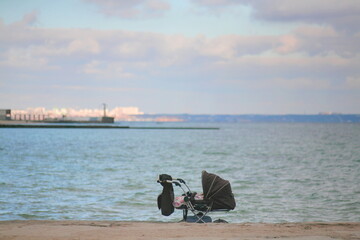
279,172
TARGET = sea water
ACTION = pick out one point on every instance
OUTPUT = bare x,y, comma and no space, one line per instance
279,172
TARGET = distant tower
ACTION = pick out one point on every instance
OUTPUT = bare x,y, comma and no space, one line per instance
104,109
106,119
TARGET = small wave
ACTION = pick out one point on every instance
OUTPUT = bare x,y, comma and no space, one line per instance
30,216
217,153
131,203
225,170
4,184
353,205
244,182
70,189
111,169
134,186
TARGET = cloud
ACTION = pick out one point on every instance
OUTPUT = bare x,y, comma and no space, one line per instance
289,43
131,9
287,73
311,57
106,70
343,15
232,46
29,19
20,31
353,82
299,83
84,45
216,3
303,10
21,58
319,40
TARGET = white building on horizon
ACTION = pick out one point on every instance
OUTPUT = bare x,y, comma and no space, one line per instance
119,113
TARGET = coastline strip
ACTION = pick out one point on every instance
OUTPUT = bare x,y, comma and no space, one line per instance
100,127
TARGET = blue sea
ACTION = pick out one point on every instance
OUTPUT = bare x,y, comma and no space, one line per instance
279,172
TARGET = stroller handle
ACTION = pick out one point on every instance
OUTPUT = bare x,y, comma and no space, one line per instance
174,181
169,179
164,178
179,179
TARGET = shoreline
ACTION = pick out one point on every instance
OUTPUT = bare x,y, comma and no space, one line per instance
73,229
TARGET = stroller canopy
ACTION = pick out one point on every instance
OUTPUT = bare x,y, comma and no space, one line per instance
217,190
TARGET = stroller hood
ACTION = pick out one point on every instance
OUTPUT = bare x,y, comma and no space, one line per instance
217,190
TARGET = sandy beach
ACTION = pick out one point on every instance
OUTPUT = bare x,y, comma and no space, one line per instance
61,230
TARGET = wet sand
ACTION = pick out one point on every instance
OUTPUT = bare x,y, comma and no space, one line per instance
76,230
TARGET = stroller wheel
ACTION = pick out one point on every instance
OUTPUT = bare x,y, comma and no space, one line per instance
198,219
220,221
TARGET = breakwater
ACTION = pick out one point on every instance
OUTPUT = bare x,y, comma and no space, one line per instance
99,126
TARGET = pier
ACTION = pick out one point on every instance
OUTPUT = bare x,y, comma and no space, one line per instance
8,124
41,121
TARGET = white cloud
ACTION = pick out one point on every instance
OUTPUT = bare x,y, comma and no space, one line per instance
92,67
299,83
353,82
289,44
233,46
343,15
309,57
157,5
216,3
23,59
106,70
320,40
84,45
131,9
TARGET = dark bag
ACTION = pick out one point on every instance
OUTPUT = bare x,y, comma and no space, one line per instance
166,198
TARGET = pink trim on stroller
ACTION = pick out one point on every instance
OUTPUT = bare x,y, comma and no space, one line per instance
180,200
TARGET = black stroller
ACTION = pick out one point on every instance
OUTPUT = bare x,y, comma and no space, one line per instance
216,196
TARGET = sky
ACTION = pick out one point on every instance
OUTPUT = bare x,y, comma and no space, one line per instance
182,56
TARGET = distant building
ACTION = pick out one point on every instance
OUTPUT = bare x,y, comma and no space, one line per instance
5,114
